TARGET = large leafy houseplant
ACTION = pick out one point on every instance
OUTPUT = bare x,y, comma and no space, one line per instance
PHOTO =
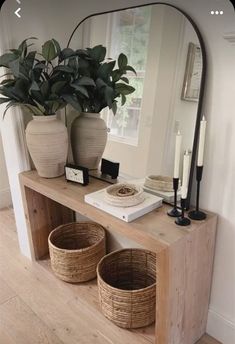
99,81
38,82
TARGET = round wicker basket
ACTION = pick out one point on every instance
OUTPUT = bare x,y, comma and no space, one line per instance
75,250
124,195
162,183
127,287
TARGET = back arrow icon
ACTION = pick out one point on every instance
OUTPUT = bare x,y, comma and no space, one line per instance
17,12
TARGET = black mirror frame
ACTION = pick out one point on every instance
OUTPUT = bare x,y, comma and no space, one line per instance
202,84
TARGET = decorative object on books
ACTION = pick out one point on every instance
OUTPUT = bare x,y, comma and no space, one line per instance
110,168
162,183
77,174
198,214
99,85
124,195
127,214
75,250
127,287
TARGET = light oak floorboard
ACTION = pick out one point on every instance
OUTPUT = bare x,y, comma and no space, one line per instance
46,310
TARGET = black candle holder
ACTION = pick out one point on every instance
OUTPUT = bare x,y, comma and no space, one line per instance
182,220
198,214
175,212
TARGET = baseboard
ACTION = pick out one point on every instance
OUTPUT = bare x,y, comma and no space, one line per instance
5,198
220,328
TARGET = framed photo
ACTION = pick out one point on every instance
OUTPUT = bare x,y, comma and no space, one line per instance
193,72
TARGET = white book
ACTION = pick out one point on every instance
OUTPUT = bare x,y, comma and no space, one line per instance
126,214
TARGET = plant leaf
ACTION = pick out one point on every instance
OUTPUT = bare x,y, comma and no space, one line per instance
85,81
122,61
130,69
57,46
124,89
45,89
4,100
21,90
73,101
65,69
48,51
123,99
125,79
116,75
58,86
114,107
80,89
5,59
109,94
100,83
15,67
66,53
105,69
97,53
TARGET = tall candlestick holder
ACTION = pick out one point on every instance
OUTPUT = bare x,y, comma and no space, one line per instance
175,212
198,214
182,220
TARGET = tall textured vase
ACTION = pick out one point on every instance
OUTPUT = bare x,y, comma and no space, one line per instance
47,141
88,139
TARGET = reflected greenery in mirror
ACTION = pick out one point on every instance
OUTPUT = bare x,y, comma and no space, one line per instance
155,38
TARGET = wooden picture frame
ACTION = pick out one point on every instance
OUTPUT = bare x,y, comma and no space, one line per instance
193,72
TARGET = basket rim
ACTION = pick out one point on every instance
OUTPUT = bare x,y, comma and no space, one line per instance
80,249
119,289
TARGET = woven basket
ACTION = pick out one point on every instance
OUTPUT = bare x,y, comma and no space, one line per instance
75,250
162,183
127,287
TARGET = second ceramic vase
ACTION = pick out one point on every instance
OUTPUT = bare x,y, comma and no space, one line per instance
88,139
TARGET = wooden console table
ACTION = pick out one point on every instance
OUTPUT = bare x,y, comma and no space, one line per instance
184,255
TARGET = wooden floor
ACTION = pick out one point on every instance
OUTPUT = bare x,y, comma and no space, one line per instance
37,308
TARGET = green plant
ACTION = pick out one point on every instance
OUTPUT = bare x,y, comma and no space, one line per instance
98,83
38,81
46,82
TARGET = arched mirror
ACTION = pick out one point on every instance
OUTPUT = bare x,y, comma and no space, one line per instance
165,47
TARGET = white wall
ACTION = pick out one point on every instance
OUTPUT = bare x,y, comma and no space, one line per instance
218,180
5,195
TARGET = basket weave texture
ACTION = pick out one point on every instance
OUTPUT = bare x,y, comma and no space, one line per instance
127,287
162,183
114,197
75,250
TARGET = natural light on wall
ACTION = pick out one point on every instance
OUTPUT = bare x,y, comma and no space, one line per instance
129,33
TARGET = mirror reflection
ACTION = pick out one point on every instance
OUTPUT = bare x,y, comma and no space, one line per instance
163,47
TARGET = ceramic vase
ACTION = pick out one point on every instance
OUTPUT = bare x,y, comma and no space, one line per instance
88,139
47,141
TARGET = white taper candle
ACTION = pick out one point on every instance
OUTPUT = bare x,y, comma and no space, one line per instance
201,142
178,141
184,188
